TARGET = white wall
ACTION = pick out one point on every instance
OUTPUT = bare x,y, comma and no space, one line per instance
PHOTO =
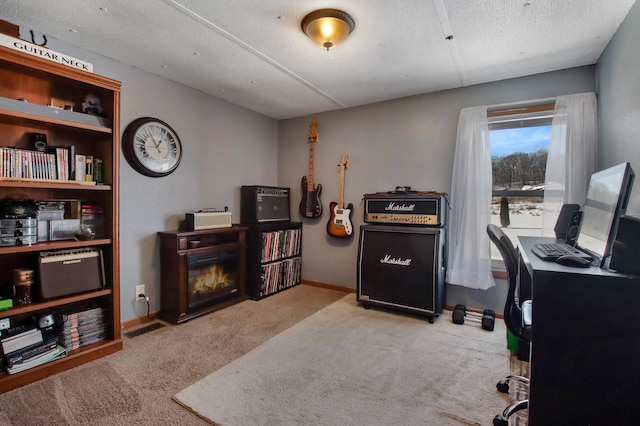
409,141
619,101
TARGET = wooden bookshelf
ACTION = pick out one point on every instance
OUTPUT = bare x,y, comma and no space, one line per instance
39,82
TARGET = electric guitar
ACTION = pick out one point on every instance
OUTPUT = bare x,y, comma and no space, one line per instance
310,205
339,224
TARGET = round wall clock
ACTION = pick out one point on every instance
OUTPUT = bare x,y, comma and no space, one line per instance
151,147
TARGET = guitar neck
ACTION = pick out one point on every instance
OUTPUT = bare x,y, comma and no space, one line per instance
341,189
310,174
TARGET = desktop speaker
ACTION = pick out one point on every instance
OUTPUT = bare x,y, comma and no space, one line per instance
564,220
624,253
573,230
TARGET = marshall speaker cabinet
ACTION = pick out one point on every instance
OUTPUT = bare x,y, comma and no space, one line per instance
402,267
263,204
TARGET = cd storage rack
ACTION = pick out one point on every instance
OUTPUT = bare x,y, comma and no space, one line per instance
274,261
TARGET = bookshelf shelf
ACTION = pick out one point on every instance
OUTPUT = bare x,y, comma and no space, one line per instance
44,116
51,184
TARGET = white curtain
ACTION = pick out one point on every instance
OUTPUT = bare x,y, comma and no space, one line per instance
469,263
572,155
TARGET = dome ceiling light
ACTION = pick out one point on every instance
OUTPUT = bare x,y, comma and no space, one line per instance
328,27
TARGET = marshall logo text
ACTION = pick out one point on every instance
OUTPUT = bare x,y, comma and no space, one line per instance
400,207
394,261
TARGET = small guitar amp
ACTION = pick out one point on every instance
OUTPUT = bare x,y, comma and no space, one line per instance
412,208
66,272
262,204
207,220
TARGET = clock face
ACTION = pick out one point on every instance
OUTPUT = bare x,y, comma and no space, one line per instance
152,147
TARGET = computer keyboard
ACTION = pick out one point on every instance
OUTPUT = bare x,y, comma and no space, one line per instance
552,251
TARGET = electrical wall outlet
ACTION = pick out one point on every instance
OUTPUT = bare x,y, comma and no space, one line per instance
5,323
139,291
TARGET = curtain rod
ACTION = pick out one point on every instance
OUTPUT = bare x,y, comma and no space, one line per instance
521,103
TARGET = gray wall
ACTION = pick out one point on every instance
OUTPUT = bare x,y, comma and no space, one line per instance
224,146
409,141
619,101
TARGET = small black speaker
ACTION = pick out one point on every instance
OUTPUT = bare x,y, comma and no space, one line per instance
573,230
564,220
624,253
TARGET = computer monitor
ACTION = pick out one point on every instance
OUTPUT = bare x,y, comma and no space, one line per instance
607,198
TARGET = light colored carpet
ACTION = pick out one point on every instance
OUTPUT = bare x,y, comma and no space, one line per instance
135,386
346,365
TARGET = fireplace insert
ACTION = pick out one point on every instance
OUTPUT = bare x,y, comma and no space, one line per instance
211,277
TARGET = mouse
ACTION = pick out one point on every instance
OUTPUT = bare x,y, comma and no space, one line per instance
571,260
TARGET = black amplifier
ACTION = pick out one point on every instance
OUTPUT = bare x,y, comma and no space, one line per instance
413,208
260,204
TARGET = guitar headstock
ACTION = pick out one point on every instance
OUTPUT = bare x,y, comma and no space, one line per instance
313,132
344,161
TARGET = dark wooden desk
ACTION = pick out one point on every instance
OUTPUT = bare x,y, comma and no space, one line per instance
585,352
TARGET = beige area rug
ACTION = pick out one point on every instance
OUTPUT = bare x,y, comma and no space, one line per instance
346,365
135,386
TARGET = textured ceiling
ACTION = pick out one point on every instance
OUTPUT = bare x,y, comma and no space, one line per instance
253,53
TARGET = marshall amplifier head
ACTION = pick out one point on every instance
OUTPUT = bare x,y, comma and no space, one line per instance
414,208
259,204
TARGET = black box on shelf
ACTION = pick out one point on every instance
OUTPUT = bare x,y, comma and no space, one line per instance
261,204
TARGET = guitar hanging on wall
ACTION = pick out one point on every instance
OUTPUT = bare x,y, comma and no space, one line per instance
310,205
339,224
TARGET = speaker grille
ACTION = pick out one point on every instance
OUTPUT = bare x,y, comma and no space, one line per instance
401,267
261,204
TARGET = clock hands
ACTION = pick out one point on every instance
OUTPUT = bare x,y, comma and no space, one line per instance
162,135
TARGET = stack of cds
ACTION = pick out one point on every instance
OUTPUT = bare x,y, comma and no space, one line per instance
83,328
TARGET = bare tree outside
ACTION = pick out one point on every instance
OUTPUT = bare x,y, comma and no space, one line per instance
520,170
519,161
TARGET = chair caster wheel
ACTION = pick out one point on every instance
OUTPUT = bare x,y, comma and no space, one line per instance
499,421
502,387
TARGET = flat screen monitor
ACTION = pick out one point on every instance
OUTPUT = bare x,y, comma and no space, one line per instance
607,198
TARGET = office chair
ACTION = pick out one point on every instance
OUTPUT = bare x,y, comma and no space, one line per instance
517,316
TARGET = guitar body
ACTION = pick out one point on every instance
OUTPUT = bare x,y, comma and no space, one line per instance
339,224
310,205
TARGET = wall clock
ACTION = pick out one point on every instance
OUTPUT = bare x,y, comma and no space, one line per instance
151,147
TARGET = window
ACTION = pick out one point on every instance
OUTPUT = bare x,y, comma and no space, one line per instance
519,141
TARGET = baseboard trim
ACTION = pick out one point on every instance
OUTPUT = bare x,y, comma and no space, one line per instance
138,321
329,286
144,320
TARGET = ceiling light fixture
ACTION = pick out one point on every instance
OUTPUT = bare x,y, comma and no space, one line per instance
328,27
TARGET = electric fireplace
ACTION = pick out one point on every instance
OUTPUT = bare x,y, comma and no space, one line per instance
201,271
